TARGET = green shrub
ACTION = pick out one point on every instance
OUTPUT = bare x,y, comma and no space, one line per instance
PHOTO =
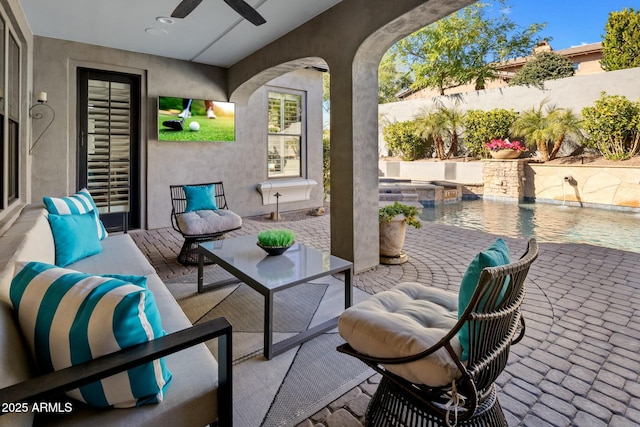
326,164
621,43
613,126
483,126
542,67
403,139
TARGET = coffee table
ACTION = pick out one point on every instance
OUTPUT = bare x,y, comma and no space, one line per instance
242,258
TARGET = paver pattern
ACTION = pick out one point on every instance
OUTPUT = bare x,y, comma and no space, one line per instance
579,363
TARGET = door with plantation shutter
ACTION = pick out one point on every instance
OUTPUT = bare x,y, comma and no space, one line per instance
109,144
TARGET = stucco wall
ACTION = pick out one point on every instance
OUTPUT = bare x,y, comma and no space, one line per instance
240,164
460,172
574,93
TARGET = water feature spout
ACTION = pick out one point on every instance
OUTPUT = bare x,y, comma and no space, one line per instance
573,183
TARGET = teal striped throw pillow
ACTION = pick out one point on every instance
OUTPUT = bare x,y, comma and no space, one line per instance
79,203
69,317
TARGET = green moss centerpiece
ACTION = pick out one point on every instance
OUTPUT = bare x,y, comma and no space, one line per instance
276,242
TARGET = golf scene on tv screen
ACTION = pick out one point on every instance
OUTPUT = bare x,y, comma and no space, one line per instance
202,120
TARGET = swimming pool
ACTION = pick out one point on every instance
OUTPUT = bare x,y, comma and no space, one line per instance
545,222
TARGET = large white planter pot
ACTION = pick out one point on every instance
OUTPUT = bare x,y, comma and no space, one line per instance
392,235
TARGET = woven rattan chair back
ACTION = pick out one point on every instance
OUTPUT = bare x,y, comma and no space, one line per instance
495,323
179,199
494,318
188,253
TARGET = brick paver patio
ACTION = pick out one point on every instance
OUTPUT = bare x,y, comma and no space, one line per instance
580,360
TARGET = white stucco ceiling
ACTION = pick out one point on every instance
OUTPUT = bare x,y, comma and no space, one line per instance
212,34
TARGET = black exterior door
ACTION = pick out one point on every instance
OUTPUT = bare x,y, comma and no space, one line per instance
109,145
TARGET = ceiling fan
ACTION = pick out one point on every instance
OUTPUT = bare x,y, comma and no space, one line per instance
243,8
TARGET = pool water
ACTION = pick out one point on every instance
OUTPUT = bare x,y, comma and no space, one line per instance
545,222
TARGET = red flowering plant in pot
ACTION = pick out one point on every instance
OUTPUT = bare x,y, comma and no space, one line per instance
505,149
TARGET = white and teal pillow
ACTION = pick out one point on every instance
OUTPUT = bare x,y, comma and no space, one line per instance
69,317
79,203
74,237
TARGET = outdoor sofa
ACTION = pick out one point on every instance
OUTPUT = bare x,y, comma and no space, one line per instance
200,388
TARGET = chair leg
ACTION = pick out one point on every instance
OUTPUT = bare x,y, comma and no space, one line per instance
391,407
189,252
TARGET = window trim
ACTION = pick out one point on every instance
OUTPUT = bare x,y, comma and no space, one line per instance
303,132
12,146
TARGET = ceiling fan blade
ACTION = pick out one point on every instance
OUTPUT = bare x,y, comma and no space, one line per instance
246,11
184,8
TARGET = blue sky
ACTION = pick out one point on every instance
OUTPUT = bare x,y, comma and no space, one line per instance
569,22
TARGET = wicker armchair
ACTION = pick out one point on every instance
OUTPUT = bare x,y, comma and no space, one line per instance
200,226
470,399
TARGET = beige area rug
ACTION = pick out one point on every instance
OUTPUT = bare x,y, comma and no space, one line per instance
296,384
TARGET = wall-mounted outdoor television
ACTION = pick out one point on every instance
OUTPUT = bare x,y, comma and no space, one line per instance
201,120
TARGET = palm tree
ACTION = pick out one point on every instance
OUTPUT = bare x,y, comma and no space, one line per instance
431,125
565,122
443,124
453,122
537,126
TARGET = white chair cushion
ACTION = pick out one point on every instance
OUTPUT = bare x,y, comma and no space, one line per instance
201,222
404,321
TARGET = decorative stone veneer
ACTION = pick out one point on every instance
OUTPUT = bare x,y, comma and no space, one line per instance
598,186
613,187
504,179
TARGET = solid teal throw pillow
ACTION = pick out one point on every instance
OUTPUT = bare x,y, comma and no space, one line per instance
74,237
200,197
79,203
495,255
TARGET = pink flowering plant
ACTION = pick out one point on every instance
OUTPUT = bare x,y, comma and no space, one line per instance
503,144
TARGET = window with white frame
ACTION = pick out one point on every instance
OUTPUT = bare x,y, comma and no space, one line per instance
285,150
9,116
3,148
13,122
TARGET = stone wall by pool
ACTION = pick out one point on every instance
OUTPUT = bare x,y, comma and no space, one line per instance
609,187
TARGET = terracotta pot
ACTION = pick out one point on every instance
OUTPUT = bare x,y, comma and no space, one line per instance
392,236
506,153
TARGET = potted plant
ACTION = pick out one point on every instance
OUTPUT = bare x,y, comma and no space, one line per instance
393,225
276,242
505,149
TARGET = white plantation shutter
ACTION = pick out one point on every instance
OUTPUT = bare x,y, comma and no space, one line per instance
109,145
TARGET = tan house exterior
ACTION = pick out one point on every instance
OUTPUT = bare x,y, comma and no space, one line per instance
586,60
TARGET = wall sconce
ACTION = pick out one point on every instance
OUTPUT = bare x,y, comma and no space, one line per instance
35,114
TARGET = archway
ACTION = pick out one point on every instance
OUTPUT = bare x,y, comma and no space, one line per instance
352,38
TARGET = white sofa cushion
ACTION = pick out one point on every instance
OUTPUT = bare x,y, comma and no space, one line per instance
403,321
119,255
28,239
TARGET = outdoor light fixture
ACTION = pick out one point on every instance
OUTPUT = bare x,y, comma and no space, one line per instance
36,114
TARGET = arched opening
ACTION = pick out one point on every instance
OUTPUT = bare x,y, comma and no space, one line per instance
352,49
